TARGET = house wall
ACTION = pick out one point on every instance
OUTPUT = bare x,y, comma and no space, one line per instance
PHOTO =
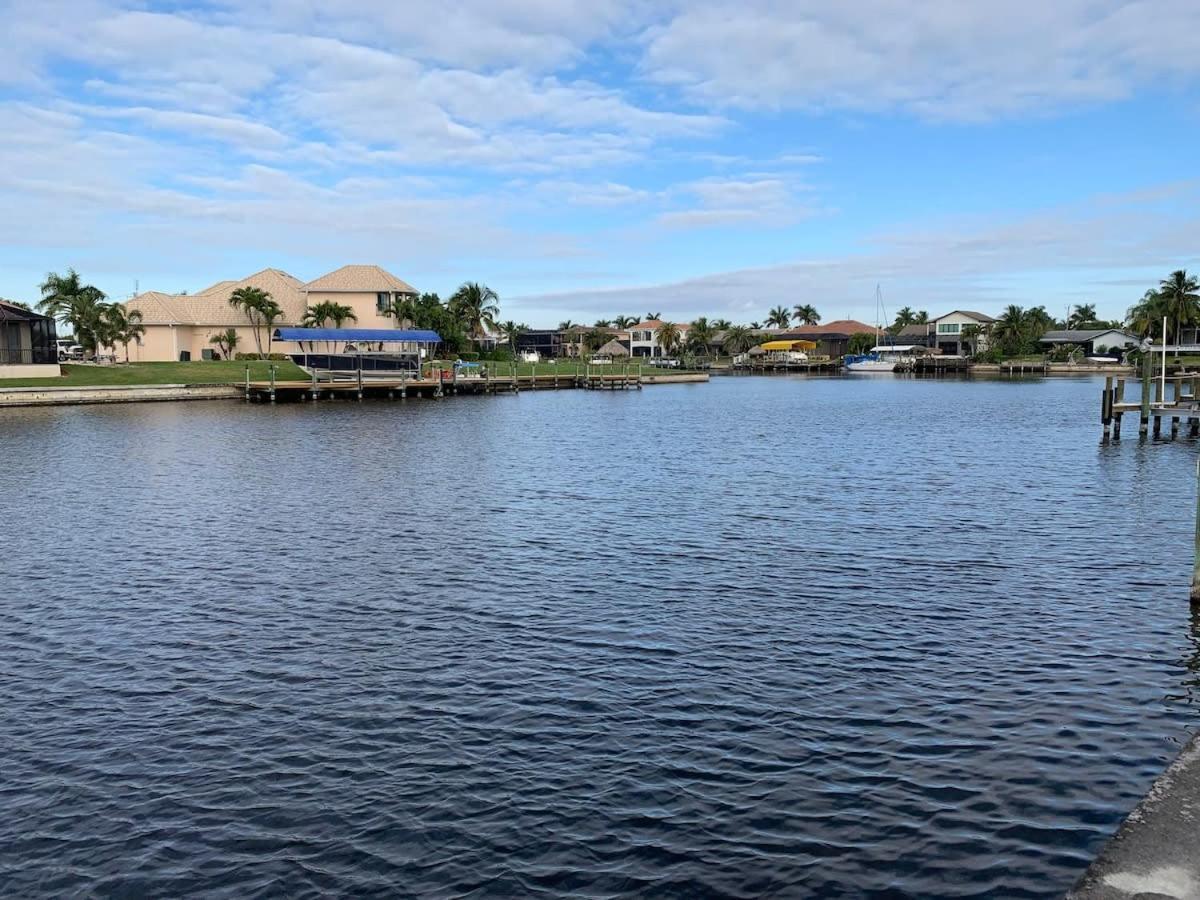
162,343
363,304
947,333
1112,339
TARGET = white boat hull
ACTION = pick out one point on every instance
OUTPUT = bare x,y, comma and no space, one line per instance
872,366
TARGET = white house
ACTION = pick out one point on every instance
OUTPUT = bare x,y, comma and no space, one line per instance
643,340
947,331
1094,341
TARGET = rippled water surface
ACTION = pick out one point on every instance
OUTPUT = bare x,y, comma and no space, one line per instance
761,637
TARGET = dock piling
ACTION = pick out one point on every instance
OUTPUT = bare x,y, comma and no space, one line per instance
1195,592
1147,378
272,368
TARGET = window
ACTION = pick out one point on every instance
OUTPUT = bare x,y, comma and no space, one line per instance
949,329
383,301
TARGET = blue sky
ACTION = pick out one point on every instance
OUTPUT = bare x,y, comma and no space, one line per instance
615,156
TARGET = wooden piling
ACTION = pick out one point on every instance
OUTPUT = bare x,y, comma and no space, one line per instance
1195,593
1118,400
1106,398
1147,386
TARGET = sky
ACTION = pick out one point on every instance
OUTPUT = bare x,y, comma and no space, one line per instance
589,158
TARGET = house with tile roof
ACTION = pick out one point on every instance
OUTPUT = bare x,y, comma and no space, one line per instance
832,338
179,324
643,337
368,290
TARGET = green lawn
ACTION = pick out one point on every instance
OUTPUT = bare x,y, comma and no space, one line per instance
200,372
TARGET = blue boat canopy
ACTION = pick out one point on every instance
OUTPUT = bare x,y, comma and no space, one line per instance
380,335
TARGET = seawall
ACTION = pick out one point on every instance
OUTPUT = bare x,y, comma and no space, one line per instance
126,393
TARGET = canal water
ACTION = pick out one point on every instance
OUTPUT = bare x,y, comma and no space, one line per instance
761,637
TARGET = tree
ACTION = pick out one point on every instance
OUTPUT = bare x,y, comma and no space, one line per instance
403,309
669,338
68,299
652,317
805,314
700,336
861,342
252,302
623,322
226,342
595,339
1013,329
1180,297
722,325
603,323
326,313
511,331
1082,316
566,325
970,335
1145,315
921,318
738,339
779,317
904,317
122,326
270,312
476,307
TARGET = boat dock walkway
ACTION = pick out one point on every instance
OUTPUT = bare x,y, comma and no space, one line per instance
357,386
1166,397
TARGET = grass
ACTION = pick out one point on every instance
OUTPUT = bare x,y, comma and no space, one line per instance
200,372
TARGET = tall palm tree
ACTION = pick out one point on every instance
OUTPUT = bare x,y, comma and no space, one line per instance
700,336
669,338
970,335
721,324
921,318
68,299
403,309
1011,330
779,317
271,313
1145,315
806,314
325,313
476,307
251,301
1082,315
624,322
603,323
738,339
1180,294
652,317
566,325
904,317
511,331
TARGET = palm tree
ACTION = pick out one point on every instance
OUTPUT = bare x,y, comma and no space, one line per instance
970,336
68,299
270,312
651,317
603,323
738,339
319,315
806,314
921,318
624,322
669,338
566,325
476,307
904,317
251,301
1180,295
1143,317
1011,330
122,326
404,310
722,325
700,336
1082,315
779,317
226,342
511,331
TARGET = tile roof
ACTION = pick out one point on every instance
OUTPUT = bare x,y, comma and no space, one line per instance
838,326
978,316
359,280
654,324
211,306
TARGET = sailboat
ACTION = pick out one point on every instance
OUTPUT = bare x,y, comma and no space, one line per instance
882,359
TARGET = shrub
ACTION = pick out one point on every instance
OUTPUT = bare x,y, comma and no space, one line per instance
246,357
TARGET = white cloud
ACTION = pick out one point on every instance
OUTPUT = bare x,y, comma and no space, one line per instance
941,59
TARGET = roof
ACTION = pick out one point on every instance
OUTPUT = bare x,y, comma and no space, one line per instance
384,335
917,329
977,316
10,311
359,280
655,324
799,344
838,326
612,348
1082,335
211,306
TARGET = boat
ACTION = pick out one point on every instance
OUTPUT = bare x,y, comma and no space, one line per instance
882,359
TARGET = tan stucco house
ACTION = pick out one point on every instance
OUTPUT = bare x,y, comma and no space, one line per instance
186,323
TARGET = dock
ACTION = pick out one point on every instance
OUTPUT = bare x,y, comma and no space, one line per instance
1168,398
446,382
781,367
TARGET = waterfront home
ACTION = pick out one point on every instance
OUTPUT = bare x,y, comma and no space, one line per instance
181,326
832,339
572,341
1093,341
28,343
947,332
643,337
547,343
614,349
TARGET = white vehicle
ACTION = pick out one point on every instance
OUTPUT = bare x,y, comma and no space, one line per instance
529,356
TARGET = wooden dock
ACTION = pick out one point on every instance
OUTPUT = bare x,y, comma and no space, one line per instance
776,367
1173,398
443,383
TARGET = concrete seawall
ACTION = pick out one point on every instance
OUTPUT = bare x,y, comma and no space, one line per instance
1156,851
132,393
